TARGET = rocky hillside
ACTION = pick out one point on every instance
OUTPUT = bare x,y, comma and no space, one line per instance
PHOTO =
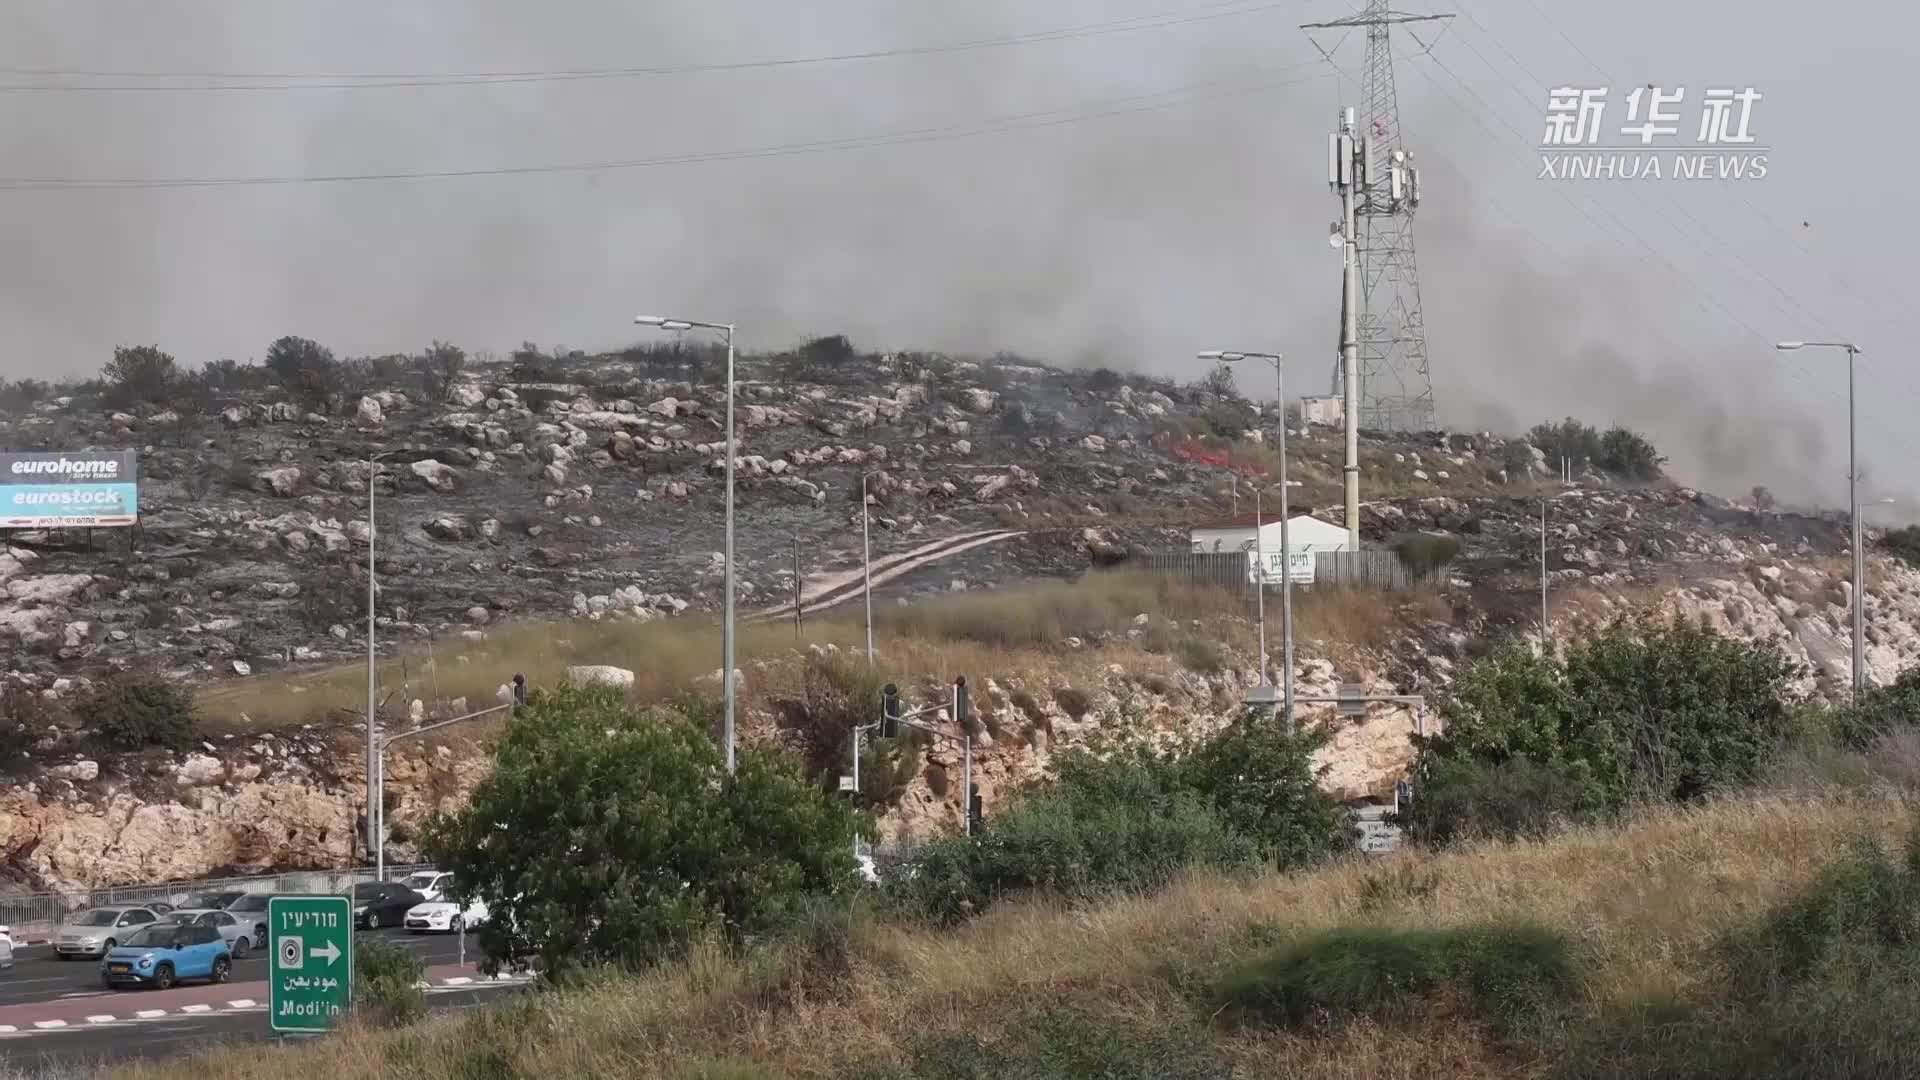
588,490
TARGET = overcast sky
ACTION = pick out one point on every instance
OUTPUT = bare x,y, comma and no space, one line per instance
1123,234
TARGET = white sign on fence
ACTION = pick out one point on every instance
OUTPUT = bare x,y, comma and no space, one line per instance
1300,566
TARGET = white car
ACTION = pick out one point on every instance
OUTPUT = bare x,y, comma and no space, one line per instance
444,917
430,884
6,946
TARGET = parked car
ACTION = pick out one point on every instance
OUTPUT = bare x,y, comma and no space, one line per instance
215,900
251,909
95,932
445,917
430,884
239,935
382,903
163,954
6,947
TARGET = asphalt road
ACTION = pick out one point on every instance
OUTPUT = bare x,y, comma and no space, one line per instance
78,1050
56,1018
37,975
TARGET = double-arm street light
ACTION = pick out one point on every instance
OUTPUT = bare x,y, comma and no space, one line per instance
726,626
1286,557
1853,511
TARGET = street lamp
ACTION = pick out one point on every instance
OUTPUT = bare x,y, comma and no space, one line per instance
1853,511
866,564
376,820
1286,556
726,627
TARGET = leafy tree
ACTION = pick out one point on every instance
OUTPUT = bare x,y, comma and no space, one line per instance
607,835
140,374
1629,455
1578,443
305,369
440,367
1219,382
1904,543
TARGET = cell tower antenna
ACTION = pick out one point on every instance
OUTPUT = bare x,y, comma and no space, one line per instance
1395,384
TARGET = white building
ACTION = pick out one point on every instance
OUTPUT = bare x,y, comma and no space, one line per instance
1325,410
1307,536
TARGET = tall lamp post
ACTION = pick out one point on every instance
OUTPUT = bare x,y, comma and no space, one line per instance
376,820
1286,555
726,626
866,564
1853,511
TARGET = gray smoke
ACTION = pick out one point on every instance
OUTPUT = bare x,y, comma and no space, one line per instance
1130,241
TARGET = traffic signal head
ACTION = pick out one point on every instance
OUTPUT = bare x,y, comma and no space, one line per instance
889,711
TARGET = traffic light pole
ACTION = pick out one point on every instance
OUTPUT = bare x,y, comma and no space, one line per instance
912,719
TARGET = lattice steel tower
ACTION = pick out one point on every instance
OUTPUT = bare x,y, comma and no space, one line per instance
1395,385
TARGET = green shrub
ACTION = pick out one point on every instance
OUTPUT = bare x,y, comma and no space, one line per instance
305,369
1513,975
1642,709
1467,799
1876,712
137,711
1129,819
386,983
1075,703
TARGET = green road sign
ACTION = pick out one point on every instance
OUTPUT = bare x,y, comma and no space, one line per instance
312,979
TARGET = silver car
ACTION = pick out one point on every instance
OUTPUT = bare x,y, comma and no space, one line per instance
94,932
239,934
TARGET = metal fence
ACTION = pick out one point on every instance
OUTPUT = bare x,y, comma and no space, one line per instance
1365,569
36,916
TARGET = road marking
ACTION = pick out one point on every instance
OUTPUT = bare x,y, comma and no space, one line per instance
101,1019
150,1014
47,1025
196,1008
243,1003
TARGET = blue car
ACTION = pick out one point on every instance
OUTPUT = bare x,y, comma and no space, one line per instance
163,954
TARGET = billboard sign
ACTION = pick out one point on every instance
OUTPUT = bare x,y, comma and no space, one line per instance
57,489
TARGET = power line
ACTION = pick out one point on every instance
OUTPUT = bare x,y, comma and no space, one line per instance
377,81
1137,103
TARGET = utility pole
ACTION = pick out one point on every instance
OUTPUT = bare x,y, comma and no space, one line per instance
1395,382
796,589
1344,160
1260,583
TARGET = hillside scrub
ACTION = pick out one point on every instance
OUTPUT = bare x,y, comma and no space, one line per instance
1131,817
1131,987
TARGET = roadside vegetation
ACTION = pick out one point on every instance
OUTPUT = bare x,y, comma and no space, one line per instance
1645,857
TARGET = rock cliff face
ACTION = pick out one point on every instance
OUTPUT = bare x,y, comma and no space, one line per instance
271,806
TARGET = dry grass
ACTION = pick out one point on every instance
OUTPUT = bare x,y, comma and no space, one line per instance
1643,904
1015,634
